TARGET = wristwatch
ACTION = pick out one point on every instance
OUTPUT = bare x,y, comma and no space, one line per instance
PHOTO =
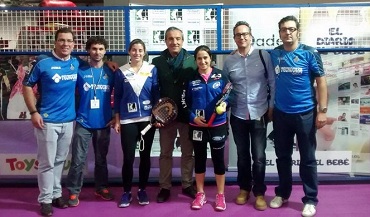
323,109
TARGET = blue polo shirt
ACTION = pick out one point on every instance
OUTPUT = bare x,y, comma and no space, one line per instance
56,83
94,82
295,74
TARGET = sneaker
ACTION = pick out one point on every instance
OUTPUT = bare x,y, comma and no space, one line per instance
73,200
46,209
104,193
220,202
277,202
59,203
189,191
142,197
125,200
200,200
309,210
242,197
260,203
163,195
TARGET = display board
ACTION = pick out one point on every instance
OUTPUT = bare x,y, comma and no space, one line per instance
198,26
343,145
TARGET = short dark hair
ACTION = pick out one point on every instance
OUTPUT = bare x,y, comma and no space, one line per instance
64,30
242,23
289,18
173,28
96,40
202,48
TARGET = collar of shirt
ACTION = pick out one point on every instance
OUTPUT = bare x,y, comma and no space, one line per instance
206,76
249,52
56,56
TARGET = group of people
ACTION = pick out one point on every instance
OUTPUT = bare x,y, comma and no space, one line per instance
276,87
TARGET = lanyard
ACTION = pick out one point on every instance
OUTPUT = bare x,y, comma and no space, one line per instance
93,80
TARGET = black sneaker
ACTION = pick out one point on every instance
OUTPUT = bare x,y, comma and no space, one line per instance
73,200
125,200
46,209
142,197
163,195
104,193
59,203
189,191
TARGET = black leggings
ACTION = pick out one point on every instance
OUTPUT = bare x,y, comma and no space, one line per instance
217,154
130,135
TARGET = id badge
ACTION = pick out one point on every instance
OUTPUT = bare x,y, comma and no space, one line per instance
197,135
94,103
200,113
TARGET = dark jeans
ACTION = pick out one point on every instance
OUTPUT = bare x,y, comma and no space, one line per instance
286,126
250,140
80,147
130,135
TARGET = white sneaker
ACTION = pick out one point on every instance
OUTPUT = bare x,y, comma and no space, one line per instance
277,202
309,210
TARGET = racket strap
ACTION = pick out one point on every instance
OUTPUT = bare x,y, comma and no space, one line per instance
141,143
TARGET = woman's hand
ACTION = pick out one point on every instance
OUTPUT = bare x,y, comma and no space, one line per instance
200,121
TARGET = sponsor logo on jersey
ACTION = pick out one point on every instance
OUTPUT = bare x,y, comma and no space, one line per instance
57,78
216,85
292,70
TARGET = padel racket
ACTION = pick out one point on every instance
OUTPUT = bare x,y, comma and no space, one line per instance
164,111
224,95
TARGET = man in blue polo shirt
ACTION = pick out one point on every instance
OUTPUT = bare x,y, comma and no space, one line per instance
94,85
297,112
53,115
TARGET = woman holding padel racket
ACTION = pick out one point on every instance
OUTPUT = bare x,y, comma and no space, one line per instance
206,100
135,93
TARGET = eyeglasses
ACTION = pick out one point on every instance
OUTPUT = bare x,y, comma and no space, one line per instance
65,41
290,29
244,34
